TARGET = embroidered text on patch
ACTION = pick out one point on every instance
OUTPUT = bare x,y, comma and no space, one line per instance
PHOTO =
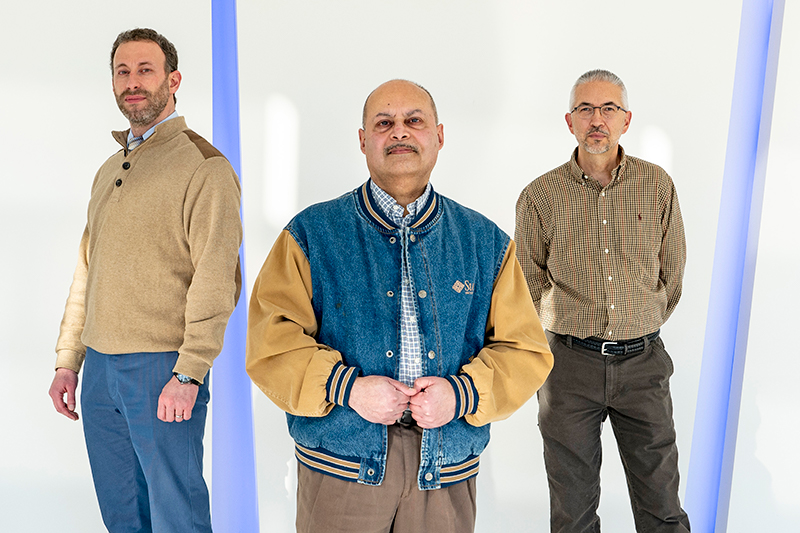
458,287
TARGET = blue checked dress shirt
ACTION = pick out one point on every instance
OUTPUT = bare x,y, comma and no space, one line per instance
133,142
410,347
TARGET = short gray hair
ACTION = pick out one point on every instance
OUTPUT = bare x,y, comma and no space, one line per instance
599,75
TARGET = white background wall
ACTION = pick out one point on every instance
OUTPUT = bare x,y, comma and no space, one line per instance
501,73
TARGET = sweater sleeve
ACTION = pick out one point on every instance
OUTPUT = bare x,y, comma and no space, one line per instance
516,358
214,233
69,347
284,359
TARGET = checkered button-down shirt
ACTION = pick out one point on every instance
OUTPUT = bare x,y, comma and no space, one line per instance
602,261
410,347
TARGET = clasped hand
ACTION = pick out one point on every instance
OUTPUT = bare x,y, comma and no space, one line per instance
382,400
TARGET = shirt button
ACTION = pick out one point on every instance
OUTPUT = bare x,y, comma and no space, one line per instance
422,294
126,165
370,472
605,222
392,240
610,333
431,354
606,250
602,193
389,353
428,476
389,294
118,182
612,306
609,278
413,238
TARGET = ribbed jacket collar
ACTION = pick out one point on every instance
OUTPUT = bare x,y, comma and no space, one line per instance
370,209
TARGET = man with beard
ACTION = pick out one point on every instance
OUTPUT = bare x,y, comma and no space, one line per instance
602,247
157,279
393,325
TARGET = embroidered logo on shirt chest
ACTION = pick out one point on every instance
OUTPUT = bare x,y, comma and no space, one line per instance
467,287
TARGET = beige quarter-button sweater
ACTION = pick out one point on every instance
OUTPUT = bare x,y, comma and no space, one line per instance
158,267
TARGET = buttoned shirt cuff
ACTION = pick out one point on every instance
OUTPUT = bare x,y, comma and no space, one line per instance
340,383
466,394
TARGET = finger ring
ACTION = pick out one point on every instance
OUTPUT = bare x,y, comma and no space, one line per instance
178,416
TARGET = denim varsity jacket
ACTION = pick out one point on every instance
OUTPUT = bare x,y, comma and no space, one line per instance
325,309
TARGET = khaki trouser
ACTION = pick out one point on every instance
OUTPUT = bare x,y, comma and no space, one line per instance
326,504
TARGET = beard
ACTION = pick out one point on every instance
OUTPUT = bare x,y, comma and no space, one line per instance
596,149
154,104
591,147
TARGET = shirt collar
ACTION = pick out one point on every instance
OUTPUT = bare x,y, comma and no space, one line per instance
617,174
152,130
393,210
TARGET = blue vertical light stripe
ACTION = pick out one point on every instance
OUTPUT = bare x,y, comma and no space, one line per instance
234,502
708,487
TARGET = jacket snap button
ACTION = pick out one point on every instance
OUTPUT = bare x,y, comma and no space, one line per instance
126,165
428,476
413,238
370,472
118,182
389,353
431,354
389,294
422,294
392,240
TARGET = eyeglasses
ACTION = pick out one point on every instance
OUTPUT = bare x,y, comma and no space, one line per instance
608,111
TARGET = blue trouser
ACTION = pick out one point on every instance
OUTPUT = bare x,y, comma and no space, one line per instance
148,474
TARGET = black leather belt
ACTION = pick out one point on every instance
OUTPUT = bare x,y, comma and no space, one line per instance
407,421
630,346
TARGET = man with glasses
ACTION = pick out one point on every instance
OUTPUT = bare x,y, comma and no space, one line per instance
601,243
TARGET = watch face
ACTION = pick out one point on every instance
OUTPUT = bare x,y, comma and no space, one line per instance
183,379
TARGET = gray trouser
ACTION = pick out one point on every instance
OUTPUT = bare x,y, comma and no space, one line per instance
583,389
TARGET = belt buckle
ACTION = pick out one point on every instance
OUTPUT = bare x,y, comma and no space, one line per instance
603,347
407,420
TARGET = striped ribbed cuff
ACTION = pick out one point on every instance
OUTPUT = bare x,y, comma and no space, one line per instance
340,383
466,395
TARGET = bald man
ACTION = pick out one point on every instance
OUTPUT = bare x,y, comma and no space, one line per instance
393,325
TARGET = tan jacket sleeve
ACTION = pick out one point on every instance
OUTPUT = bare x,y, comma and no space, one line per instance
516,359
283,357
69,347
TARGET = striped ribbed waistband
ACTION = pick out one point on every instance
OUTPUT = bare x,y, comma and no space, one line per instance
349,468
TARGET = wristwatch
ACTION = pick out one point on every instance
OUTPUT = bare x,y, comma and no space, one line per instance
185,380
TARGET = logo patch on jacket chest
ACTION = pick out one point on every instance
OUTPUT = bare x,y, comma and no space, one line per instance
467,286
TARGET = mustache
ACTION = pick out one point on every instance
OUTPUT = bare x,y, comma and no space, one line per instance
411,147
597,129
137,92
